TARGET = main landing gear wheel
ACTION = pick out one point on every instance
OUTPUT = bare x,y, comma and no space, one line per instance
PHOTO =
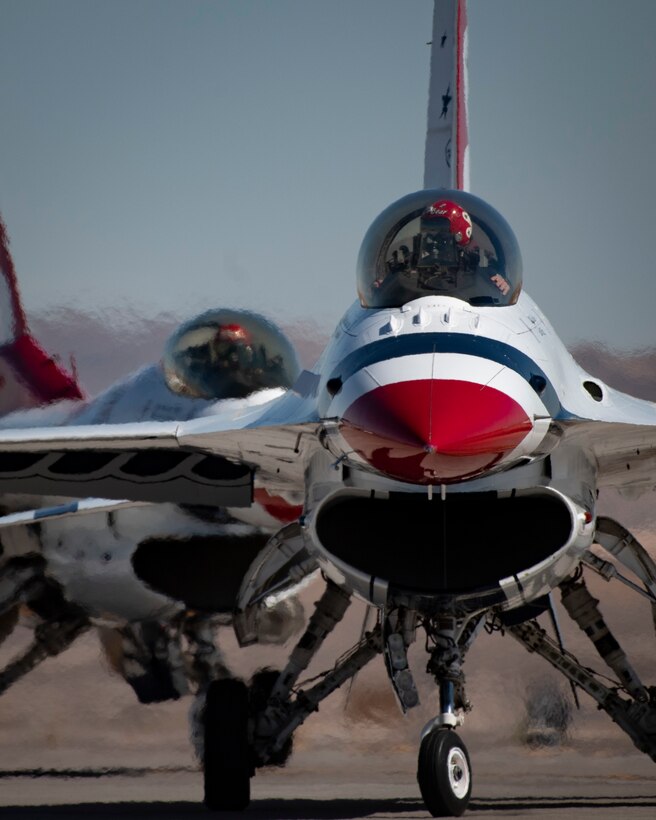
227,767
444,773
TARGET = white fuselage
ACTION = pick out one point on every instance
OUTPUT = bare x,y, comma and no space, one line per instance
436,399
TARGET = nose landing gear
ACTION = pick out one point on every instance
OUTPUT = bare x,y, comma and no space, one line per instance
444,772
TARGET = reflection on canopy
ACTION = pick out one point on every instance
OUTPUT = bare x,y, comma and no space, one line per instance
228,354
439,242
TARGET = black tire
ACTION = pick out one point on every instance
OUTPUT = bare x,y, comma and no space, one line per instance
444,773
227,764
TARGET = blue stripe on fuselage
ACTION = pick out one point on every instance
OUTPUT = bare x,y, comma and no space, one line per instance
491,349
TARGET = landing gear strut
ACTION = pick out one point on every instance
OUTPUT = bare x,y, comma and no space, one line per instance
444,771
629,703
244,730
22,580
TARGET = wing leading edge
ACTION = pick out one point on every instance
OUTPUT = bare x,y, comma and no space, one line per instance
617,430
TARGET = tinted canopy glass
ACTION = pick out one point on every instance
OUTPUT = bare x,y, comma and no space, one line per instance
228,354
439,242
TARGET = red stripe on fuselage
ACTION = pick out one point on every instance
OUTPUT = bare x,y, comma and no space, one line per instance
462,137
277,506
434,431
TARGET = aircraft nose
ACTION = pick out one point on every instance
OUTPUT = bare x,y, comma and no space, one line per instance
434,431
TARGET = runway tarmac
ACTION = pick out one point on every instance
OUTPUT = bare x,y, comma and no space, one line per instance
177,796
333,786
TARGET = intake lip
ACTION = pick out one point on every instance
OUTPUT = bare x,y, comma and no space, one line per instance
466,544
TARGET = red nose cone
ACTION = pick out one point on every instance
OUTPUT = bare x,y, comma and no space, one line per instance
434,431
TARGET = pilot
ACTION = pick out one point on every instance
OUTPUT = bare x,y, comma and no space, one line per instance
441,248
217,356
231,348
220,364
234,353
440,252
448,260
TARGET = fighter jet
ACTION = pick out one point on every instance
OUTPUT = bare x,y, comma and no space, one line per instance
103,560
447,452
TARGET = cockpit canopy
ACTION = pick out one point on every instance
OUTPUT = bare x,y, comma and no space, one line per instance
228,354
439,242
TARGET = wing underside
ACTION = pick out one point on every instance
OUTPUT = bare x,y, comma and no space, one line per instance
190,463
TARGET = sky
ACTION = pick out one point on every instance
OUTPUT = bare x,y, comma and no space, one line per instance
160,156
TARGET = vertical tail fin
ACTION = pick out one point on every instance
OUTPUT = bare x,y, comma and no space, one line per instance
12,317
446,163
28,376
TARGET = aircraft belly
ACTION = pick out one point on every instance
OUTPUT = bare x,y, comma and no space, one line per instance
94,567
150,562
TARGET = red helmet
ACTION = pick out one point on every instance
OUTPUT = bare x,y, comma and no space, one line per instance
459,220
233,333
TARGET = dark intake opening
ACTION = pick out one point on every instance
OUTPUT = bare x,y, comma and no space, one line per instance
203,571
467,542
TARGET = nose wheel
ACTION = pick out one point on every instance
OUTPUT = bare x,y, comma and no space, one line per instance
444,773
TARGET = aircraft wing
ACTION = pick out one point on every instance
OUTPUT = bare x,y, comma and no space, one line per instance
217,459
625,453
197,462
621,436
